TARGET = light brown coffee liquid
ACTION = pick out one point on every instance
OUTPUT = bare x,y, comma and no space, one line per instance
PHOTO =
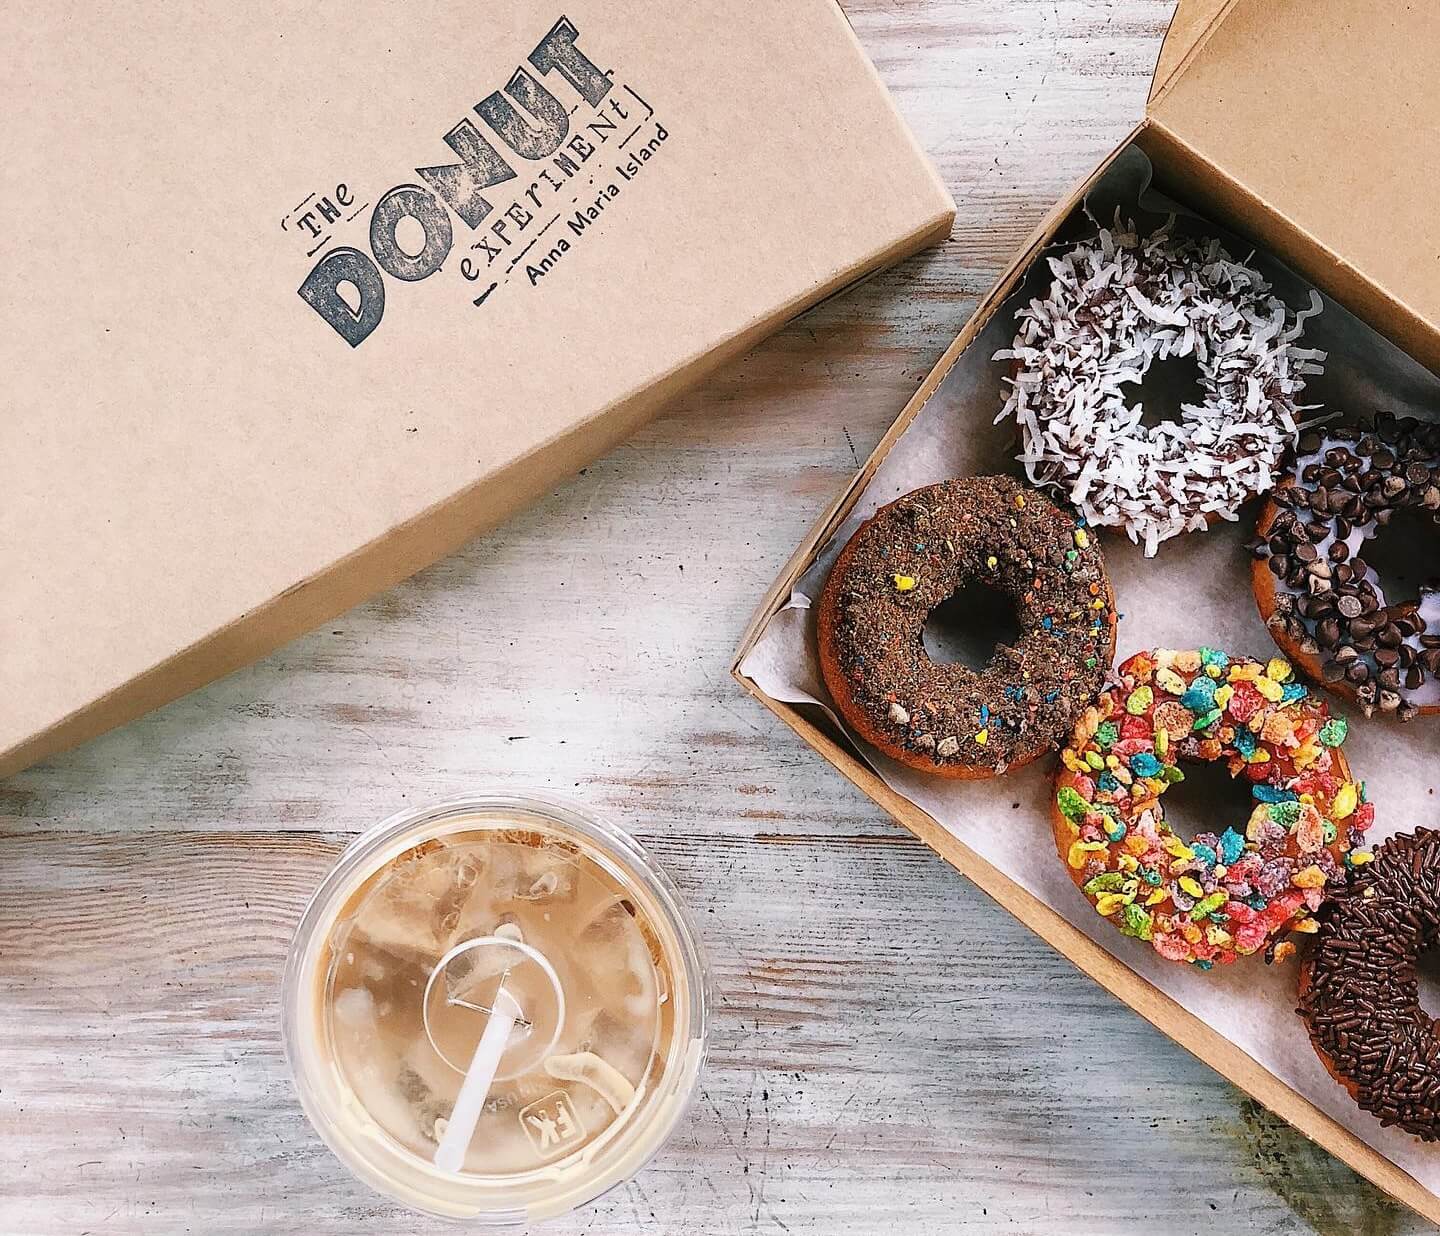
401,1033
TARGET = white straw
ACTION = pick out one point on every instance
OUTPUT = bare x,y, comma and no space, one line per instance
474,1090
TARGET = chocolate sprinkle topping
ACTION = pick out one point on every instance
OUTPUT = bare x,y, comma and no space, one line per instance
1347,484
914,554
1361,1000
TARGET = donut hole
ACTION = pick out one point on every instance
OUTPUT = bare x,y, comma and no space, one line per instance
1167,385
965,627
1402,554
1427,972
1209,800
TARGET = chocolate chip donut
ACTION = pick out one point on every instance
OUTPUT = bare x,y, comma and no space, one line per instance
1359,991
1324,605
914,554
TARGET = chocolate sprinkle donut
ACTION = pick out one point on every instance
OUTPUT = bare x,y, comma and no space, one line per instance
1359,991
1325,606
914,554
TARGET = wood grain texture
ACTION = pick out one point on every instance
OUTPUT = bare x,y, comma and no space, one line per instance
891,1051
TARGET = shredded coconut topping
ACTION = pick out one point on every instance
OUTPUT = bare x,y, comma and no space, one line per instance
1116,306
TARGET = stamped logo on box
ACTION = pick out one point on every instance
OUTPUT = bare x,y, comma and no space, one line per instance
569,156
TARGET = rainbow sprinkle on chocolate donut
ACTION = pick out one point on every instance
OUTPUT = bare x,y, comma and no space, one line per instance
1237,889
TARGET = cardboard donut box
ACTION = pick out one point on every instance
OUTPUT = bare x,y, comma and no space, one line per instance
1284,121
340,287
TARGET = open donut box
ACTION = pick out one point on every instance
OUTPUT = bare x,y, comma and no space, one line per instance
1285,122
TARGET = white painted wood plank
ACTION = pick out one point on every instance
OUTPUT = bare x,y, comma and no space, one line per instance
149,882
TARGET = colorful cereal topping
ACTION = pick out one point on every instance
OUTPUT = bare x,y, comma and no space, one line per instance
1236,890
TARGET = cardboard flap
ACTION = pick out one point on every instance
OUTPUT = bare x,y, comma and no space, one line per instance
1321,113
1191,23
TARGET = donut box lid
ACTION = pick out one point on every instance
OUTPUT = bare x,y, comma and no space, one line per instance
304,299
1311,123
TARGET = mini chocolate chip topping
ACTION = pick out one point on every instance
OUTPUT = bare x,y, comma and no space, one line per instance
1347,484
1361,1000
914,554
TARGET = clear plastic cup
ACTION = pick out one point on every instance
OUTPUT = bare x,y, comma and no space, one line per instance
397,966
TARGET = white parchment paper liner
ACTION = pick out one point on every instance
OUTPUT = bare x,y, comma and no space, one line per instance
1197,591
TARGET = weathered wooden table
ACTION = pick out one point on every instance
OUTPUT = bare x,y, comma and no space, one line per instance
891,1051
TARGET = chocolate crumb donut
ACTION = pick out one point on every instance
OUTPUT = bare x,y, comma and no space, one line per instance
1325,606
914,554
1359,990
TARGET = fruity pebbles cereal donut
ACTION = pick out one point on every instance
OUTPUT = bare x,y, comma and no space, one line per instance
1235,890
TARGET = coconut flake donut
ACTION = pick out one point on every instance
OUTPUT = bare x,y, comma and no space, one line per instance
1325,606
1118,305
1360,990
1237,889
912,555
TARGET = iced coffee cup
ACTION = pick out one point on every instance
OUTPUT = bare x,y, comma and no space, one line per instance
495,1009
